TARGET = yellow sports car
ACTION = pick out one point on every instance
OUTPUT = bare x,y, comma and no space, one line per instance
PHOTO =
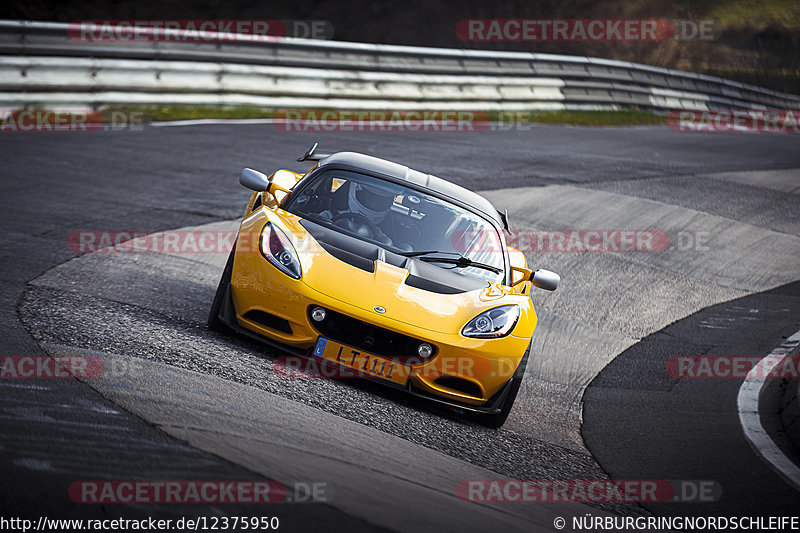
399,276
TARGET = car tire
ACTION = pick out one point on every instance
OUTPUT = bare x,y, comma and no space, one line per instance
496,420
214,322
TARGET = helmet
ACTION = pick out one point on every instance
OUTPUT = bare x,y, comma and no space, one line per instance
370,201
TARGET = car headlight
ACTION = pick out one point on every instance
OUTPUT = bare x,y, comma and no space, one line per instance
497,322
278,250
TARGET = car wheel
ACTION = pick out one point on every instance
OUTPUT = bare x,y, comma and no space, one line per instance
496,420
214,322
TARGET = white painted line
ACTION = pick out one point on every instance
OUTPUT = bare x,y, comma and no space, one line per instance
200,121
750,419
367,124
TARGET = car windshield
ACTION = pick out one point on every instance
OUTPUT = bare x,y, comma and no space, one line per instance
402,220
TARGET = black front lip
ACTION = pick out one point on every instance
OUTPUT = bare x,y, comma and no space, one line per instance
228,316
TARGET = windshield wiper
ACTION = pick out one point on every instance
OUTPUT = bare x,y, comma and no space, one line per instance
459,261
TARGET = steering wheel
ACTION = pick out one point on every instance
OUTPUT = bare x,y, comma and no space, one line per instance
358,224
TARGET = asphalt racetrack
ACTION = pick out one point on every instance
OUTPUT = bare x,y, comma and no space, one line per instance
597,401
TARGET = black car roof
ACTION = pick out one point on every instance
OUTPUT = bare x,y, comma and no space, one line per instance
418,179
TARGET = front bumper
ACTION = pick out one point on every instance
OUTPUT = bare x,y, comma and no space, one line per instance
486,365
492,405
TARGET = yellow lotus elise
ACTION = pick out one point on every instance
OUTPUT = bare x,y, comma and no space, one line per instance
394,275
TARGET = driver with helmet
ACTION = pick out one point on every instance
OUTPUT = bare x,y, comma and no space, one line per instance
359,208
367,207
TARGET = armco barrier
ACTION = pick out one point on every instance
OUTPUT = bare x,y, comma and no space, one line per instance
40,65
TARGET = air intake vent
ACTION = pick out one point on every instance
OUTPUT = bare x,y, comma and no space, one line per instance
431,286
268,320
461,385
349,257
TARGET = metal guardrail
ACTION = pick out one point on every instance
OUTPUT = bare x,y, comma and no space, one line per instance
40,64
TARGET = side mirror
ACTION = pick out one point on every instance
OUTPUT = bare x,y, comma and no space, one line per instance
545,279
255,180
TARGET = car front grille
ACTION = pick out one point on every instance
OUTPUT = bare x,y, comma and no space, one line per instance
369,338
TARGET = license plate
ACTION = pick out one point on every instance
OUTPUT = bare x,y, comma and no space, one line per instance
362,362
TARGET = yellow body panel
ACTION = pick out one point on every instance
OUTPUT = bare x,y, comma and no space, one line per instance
326,281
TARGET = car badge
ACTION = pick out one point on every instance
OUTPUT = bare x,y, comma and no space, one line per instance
379,309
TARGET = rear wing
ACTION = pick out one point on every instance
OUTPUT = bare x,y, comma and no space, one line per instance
312,154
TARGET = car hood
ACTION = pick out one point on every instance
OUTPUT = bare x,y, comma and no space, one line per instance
407,290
